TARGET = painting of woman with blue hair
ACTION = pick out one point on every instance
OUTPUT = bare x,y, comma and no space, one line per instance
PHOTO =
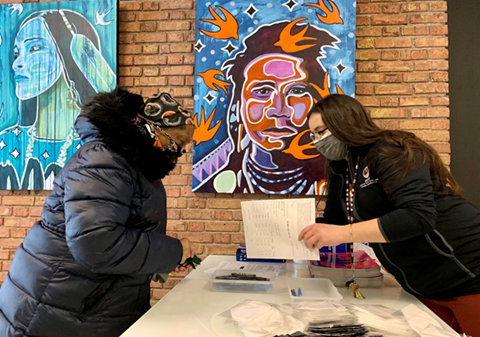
56,64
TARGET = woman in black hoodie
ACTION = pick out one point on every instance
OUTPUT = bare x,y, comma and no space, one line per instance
85,268
392,189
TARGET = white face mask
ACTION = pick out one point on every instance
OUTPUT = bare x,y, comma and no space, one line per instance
330,147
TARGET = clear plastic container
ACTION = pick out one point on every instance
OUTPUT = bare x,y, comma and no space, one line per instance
312,289
254,286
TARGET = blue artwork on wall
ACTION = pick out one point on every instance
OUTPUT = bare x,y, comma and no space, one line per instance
260,65
53,55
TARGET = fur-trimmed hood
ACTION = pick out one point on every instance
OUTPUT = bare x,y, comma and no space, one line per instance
109,117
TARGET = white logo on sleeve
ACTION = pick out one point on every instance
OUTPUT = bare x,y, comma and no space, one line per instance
368,181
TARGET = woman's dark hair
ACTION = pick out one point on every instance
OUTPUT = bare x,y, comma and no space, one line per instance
348,121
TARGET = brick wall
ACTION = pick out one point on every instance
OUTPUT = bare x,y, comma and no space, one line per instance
402,64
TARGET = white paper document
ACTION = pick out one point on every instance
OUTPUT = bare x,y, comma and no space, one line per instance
272,228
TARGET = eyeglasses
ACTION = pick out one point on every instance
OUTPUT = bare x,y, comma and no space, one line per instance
317,135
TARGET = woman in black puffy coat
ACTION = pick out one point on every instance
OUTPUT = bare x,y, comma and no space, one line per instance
85,268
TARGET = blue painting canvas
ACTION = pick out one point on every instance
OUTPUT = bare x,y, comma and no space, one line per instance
259,67
53,56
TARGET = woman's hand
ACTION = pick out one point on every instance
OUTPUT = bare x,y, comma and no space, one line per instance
187,249
319,235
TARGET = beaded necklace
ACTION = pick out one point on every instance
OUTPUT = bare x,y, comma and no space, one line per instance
350,192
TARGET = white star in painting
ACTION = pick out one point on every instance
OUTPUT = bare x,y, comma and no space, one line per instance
209,98
15,153
45,155
340,67
229,48
16,131
2,144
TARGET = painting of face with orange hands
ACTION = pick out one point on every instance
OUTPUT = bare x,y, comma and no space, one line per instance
256,80
275,100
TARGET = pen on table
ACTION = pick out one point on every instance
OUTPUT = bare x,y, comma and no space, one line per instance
299,292
293,292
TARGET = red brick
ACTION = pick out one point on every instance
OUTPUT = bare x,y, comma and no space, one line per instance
20,211
177,80
414,54
369,100
365,43
175,59
363,89
430,112
238,238
148,27
387,20
431,65
391,9
388,113
393,78
177,4
387,66
363,20
428,18
365,67
5,211
4,232
435,136
178,15
4,254
390,54
368,78
441,147
441,76
438,6
175,37
393,42
181,48
365,55
130,6
196,226
419,124
195,214
152,16
129,49
222,227
129,27
151,37
439,30
440,124
174,25
431,88
129,71
415,7
18,200
151,5
150,60
11,243
197,237
388,101
415,100
126,17
414,30
440,100
125,81
18,232
439,53
125,60
176,225
416,77
177,203
391,31
221,249
221,238
177,70
369,9
431,42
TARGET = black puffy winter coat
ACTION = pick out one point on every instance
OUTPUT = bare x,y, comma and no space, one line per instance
85,269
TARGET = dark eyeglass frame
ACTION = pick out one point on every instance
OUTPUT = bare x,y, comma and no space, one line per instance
319,133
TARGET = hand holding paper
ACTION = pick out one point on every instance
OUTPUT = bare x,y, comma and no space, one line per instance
272,228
